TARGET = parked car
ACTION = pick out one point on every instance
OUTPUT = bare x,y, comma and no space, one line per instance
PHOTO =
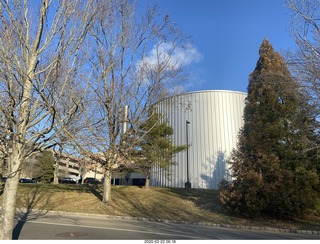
68,180
91,180
25,180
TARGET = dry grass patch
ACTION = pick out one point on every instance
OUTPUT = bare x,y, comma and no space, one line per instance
193,205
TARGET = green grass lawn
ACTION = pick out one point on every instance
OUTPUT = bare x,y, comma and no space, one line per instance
193,205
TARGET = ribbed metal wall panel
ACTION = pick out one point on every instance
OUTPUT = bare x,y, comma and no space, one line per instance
215,120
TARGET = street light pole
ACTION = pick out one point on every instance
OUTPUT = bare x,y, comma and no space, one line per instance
188,183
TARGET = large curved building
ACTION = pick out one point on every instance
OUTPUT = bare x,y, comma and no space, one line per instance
209,122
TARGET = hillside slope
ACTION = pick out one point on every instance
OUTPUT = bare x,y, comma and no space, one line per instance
191,205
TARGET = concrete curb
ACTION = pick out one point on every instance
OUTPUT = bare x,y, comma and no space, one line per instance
273,229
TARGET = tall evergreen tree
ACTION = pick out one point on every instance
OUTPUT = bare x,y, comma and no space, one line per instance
156,148
274,174
47,162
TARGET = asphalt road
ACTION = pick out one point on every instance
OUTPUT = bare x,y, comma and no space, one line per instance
68,227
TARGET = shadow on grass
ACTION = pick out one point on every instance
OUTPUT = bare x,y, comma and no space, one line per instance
69,187
209,200
203,198
136,202
33,204
94,189
153,203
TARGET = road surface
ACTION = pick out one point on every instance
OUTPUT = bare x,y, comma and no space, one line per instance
77,227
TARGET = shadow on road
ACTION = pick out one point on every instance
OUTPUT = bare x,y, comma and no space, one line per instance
32,207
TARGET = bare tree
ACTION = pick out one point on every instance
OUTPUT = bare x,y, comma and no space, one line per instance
50,51
31,168
40,82
132,66
305,29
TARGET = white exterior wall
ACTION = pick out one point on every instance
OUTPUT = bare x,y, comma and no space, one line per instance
215,119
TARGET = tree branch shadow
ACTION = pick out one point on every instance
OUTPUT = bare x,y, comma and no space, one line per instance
217,164
215,171
34,204
94,190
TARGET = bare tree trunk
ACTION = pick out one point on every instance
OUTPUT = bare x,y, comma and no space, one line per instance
147,184
9,202
16,157
126,83
38,63
55,174
1,167
107,187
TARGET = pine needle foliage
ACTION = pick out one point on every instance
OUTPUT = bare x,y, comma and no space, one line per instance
156,147
47,162
275,172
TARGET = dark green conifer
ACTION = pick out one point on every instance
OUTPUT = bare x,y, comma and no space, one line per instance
274,175
47,162
156,148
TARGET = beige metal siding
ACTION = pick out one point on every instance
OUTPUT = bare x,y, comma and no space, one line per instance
215,119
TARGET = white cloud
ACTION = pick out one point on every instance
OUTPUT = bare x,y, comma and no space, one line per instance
172,57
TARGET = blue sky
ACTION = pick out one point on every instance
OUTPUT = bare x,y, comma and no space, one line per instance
227,34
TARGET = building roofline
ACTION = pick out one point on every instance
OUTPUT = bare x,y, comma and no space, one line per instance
203,91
